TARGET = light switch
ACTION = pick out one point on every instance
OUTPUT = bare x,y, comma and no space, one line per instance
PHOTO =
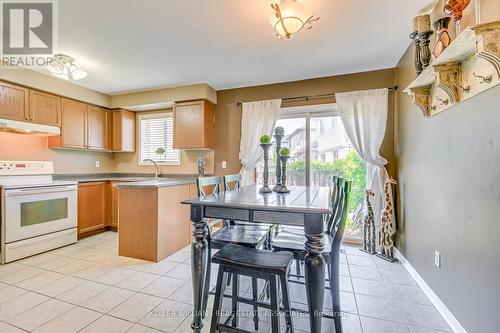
97,164
224,164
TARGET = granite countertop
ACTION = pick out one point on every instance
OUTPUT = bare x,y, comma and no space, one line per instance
130,179
155,183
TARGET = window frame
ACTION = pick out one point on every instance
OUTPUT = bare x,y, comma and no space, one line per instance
308,112
141,117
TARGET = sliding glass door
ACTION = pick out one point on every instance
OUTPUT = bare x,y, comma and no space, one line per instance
320,149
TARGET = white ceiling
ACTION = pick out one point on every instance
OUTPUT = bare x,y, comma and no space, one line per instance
128,45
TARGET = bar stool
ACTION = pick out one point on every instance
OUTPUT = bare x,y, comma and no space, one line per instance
270,266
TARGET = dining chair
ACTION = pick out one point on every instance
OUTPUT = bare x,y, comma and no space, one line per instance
251,236
295,242
230,233
296,233
232,182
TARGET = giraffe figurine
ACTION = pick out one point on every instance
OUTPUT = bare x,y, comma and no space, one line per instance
369,226
386,231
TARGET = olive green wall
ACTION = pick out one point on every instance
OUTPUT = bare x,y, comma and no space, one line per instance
448,199
228,113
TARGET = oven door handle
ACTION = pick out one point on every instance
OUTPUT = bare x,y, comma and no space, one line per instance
30,191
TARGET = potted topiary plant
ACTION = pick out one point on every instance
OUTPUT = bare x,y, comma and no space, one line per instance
265,143
160,151
285,152
284,155
265,139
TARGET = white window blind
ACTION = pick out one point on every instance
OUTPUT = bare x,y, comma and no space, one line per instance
156,139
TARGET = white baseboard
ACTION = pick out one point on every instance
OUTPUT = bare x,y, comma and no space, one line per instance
438,304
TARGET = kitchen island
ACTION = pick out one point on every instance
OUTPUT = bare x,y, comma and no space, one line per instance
152,222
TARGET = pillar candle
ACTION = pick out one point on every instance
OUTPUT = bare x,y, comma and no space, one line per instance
424,23
415,24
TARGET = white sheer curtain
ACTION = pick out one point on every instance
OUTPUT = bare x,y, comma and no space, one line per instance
364,116
258,118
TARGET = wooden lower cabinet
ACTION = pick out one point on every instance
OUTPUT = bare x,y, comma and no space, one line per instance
156,223
91,207
113,205
153,222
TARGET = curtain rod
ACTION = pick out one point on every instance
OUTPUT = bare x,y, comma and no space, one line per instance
306,98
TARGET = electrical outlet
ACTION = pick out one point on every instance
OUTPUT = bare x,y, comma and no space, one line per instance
224,164
97,164
437,259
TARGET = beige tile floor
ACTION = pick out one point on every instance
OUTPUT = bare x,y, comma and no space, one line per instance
87,287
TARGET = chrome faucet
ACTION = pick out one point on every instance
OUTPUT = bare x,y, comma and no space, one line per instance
156,166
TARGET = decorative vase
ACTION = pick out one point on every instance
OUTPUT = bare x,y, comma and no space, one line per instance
265,148
443,38
283,188
455,8
279,133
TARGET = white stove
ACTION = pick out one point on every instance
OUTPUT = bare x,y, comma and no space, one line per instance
38,213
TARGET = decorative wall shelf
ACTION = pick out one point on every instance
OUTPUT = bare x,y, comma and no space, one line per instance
467,67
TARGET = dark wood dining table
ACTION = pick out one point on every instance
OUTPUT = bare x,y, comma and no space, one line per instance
303,206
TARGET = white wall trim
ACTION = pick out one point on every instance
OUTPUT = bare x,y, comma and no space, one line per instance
438,304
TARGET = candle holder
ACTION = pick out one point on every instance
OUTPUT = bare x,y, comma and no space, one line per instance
418,64
283,188
266,188
425,52
279,133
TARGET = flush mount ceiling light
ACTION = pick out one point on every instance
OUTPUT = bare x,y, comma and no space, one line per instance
290,17
64,67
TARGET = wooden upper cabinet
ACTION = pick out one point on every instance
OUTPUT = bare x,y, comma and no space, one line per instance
14,102
123,139
194,124
97,128
74,124
83,126
23,104
45,108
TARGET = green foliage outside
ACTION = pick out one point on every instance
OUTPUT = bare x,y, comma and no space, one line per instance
352,167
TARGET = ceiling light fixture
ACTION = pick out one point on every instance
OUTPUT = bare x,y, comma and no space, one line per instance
64,67
290,17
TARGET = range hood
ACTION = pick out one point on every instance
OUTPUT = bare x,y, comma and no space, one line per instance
20,127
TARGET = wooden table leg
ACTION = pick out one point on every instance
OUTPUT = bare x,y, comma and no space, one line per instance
200,266
314,269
